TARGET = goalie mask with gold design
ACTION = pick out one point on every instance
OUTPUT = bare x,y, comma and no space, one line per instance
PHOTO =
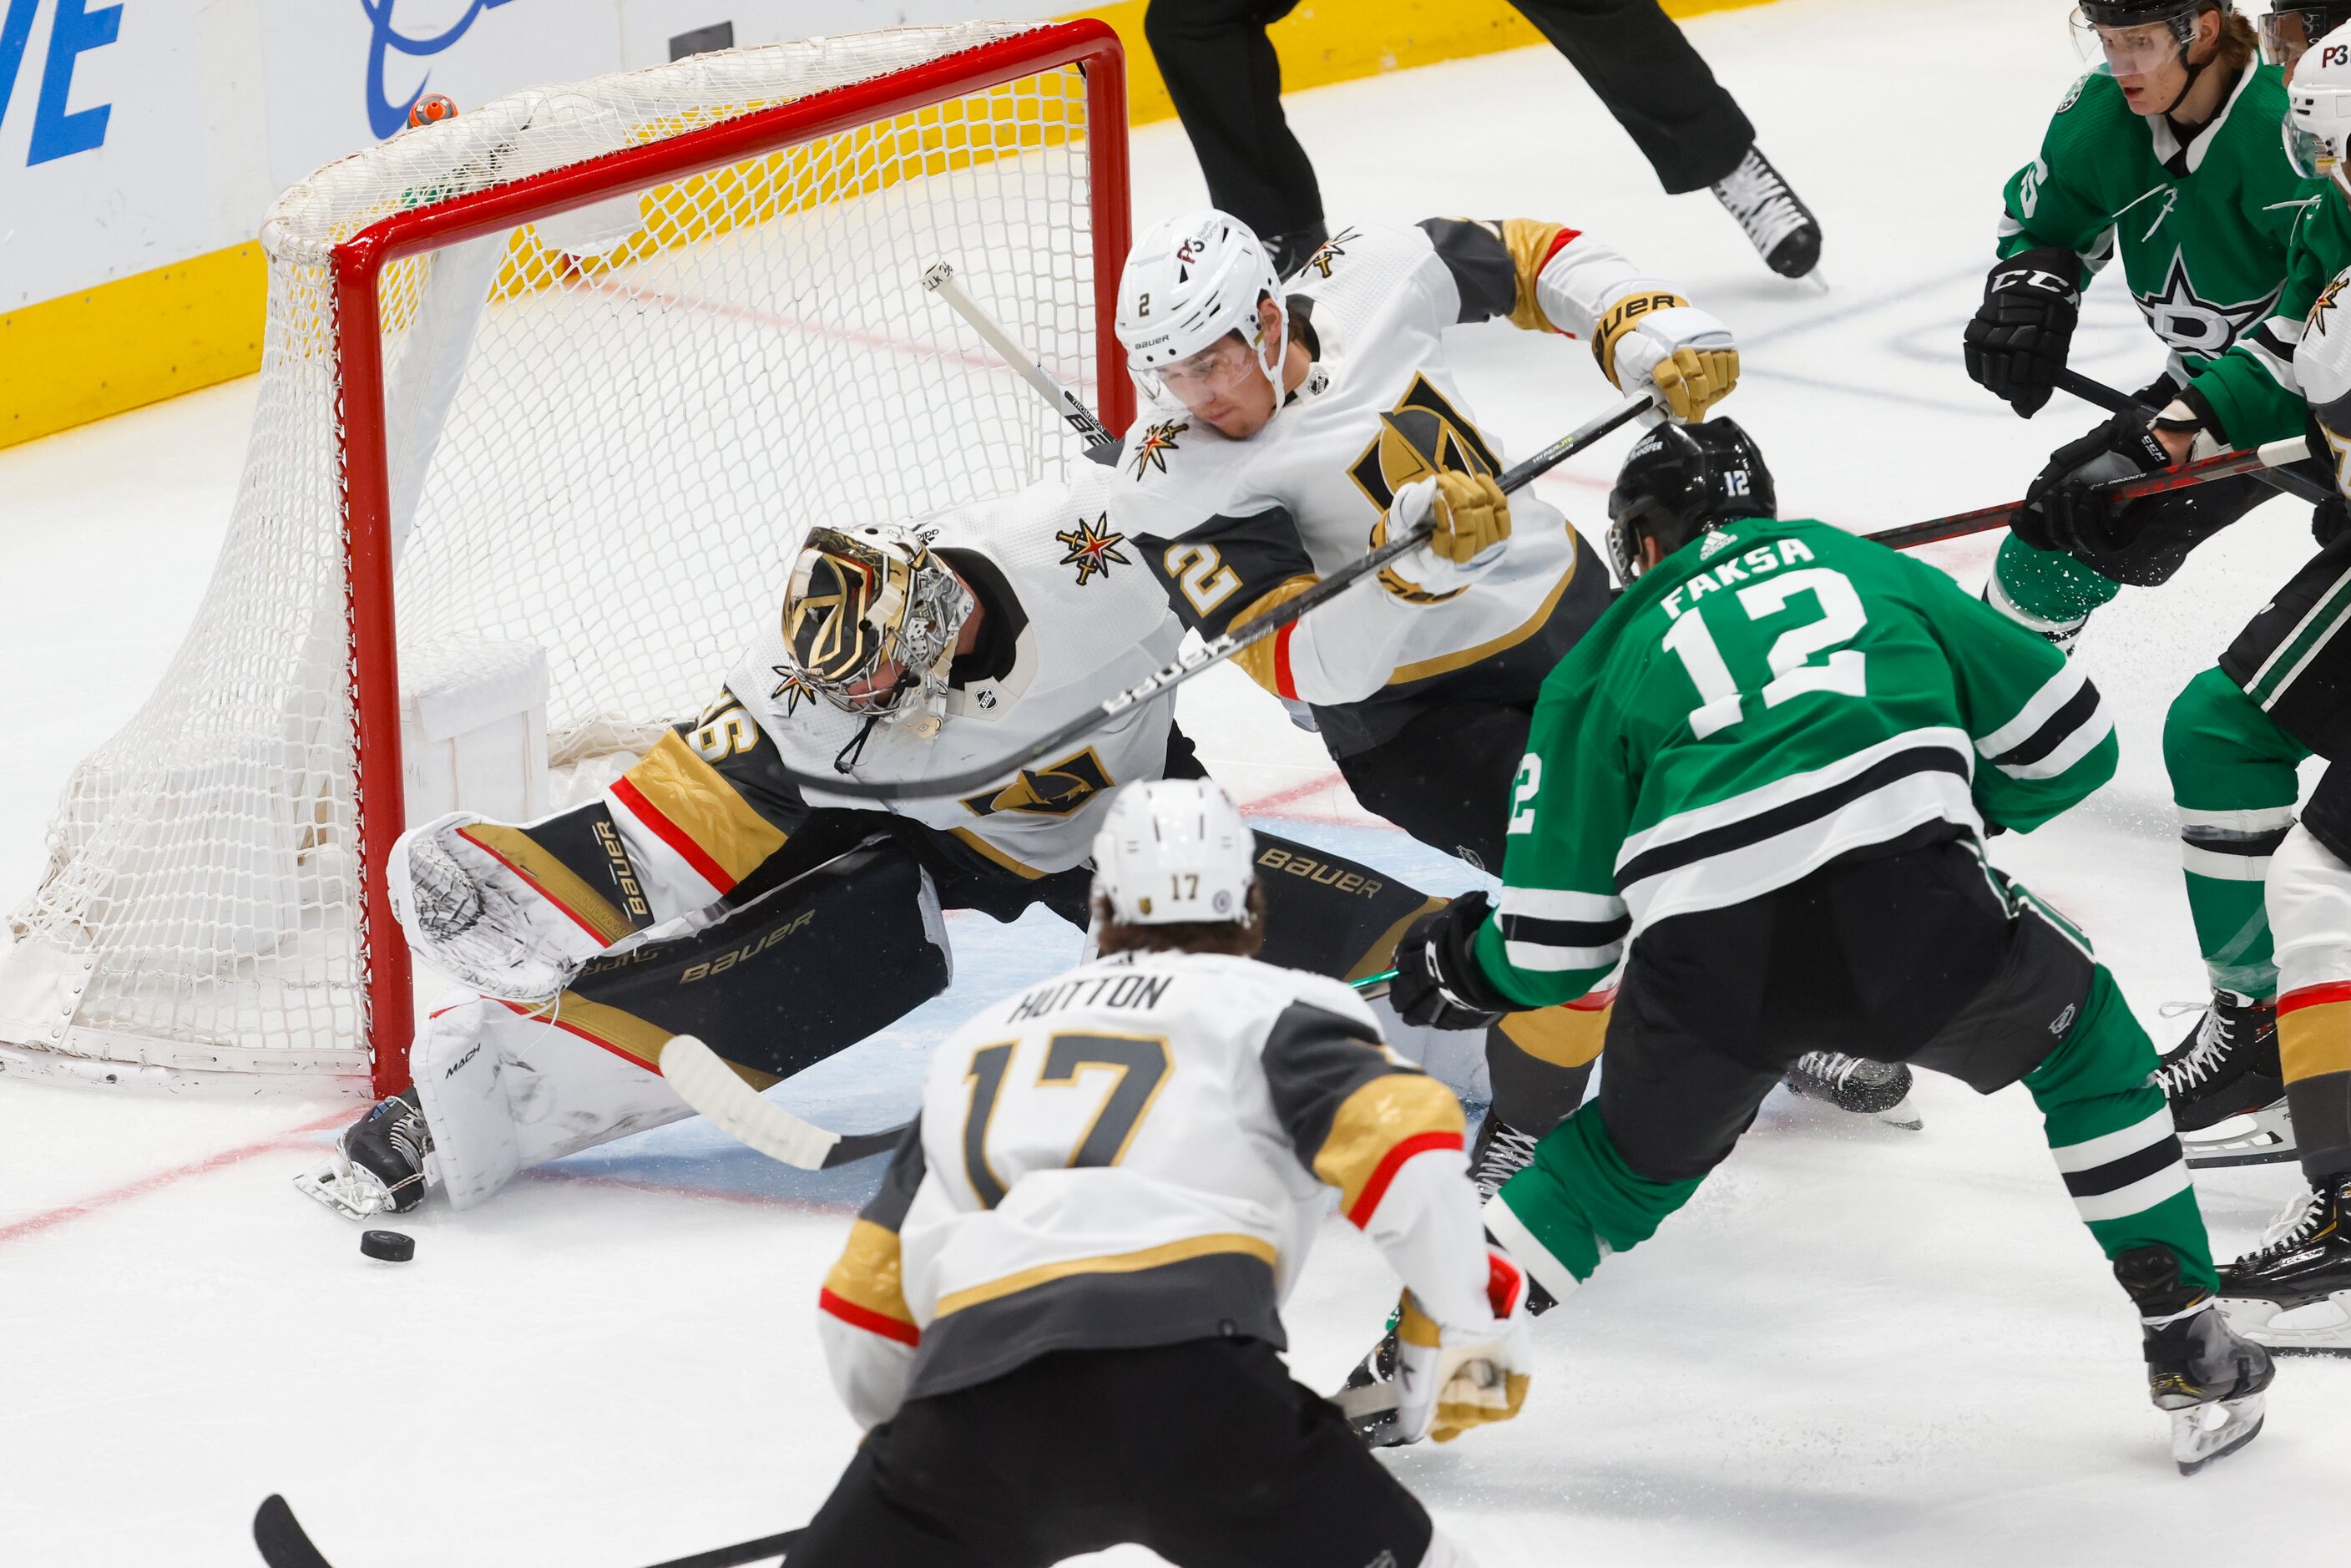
870,619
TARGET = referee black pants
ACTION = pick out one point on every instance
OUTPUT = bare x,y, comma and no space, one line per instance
1221,71
1205,1452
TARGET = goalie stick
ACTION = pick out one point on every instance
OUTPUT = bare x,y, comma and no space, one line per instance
284,1544
939,277
1216,650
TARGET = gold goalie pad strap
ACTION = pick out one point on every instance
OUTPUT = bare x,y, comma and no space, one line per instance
1622,318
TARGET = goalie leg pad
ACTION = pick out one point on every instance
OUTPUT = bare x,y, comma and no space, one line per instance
485,903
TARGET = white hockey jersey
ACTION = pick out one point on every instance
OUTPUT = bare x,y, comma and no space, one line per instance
1138,1153
1072,616
1235,527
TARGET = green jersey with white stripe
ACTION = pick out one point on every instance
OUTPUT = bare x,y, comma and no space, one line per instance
1769,696
2203,228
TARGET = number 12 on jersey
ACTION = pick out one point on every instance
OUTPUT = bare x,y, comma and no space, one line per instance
1840,618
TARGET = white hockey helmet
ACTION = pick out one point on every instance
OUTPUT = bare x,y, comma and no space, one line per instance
1174,850
1190,280
2318,110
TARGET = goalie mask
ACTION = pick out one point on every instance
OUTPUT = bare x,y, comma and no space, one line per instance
871,620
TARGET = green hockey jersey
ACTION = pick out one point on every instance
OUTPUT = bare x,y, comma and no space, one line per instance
1766,698
2250,393
2204,229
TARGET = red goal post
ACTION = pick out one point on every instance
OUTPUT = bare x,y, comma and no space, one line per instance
176,897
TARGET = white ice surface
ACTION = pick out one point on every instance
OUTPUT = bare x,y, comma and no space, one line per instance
1854,1345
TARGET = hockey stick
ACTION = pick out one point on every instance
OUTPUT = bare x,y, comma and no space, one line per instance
1216,650
284,1544
704,1081
2224,466
939,277
2116,400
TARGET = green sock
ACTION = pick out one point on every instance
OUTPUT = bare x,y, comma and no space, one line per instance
2047,590
2112,1135
2233,777
1578,1200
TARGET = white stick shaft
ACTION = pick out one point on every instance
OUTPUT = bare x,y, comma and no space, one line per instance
940,280
711,1087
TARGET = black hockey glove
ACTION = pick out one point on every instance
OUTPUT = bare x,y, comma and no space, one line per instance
2019,339
1438,982
2062,509
2330,520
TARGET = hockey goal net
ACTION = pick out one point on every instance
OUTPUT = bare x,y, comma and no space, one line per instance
547,392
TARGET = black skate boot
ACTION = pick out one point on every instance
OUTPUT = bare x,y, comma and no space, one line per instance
1855,1084
379,1163
2228,1066
1500,1153
2293,1292
2199,1372
1780,228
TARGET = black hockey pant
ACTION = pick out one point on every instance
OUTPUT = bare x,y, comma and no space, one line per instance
1205,1452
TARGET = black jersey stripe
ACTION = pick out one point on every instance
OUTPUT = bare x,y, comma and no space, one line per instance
1772,823
1564,933
2232,841
2078,710
2120,1172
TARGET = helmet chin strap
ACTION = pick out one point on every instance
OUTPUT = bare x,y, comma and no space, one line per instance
1279,371
2195,74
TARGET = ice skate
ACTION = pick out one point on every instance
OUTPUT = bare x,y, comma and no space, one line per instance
1780,228
1856,1084
2226,1067
2293,1292
1368,1397
378,1164
1500,1153
2199,1372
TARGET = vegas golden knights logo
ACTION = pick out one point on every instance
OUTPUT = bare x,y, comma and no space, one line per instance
1054,791
2325,302
1430,424
1331,250
1093,548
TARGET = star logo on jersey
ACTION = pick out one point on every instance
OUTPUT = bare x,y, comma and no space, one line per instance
2341,448
1055,792
1092,549
1157,442
789,689
1424,432
1331,250
2193,324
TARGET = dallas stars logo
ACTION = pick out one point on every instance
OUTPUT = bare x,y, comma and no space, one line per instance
1092,549
1157,442
1331,249
2193,324
789,689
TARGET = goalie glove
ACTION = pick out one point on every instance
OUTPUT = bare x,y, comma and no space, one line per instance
1438,983
1472,519
469,914
1450,1378
1659,342
2024,329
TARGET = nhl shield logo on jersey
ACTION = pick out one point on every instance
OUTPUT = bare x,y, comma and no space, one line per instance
1157,442
1422,427
1054,791
1093,548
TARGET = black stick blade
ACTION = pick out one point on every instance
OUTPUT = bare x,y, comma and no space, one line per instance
279,1535
760,1550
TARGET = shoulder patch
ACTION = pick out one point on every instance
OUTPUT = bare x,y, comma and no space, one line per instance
2074,94
1331,250
1159,440
1093,548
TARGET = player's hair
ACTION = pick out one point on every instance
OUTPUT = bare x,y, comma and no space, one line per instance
1240,938
2239,42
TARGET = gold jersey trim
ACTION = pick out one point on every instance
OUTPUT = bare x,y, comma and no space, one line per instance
870,1272
699,803
1564,1037
1373,1120
1445,664
2314,1041
1158,1257
1017,867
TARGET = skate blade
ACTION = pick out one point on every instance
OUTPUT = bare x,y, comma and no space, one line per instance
2315,1328
340,1187
2204,1433
1903,1115
2260,1137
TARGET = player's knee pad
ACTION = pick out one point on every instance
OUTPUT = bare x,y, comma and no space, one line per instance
2309,899
2034,997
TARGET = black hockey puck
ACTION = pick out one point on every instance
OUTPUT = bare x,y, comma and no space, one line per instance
390,1246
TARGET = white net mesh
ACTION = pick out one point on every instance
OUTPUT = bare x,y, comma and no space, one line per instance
604,431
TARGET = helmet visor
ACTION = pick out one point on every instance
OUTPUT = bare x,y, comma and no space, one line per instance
2288,31
2314,157
2134,48
1215,372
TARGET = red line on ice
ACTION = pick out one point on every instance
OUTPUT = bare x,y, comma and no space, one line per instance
291,1138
